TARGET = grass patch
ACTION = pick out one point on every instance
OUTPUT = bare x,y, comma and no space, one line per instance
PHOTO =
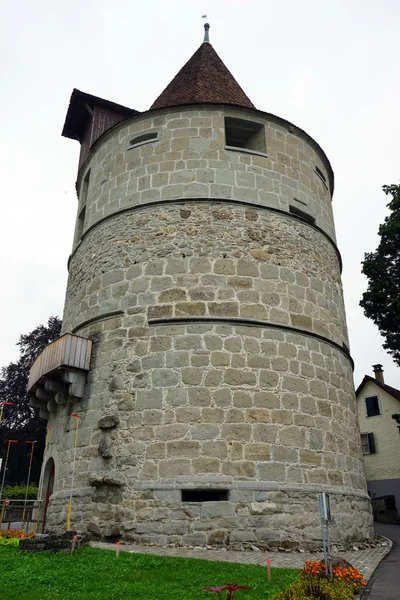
95,574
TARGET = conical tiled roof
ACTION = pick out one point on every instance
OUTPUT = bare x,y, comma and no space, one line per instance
203,80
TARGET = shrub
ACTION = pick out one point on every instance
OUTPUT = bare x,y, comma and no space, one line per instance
17,492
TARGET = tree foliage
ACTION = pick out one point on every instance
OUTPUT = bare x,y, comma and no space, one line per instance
19,420
381,301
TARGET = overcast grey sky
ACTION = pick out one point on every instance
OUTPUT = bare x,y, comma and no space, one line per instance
329,66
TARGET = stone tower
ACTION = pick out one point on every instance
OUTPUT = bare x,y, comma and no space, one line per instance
217,399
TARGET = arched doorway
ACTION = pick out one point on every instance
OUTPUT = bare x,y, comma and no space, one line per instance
48,485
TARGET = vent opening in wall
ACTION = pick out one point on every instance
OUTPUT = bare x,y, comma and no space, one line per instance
302,214
84,189
204,495
321,176
80,225
144,139
240,133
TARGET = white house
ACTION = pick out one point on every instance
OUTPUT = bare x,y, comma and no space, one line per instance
376,403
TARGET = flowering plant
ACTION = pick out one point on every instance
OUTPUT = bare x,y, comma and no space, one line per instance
229,588
11,537
344,573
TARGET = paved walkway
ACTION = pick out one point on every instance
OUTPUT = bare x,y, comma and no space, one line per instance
385,583
364,560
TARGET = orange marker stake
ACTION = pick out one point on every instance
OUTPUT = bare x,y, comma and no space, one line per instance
268,569
5,465
74,543
117,545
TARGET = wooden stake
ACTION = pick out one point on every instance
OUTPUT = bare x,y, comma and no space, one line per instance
117,545
268,569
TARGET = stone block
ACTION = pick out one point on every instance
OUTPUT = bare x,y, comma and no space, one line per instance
268,379
225,266
176,397
190,309
204,431
187,414
309,457
242,399
234,415
218,537
239,377
223,309
217,509
206,465
108,422
192,375
199,396
179,358
164,378
236,431
242,535
292,436
175,527
214,449
155,450
239,468
271,471
183,449
172,295
285,454
220,359
148,399
257,452
257,415
265,433
152,417
171,468
171,432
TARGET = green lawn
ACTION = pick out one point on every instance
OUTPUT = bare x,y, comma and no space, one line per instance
95,574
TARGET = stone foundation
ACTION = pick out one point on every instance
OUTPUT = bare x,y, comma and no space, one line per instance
253,515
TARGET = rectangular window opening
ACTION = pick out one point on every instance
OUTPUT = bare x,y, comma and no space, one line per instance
368,443
204,495
240,133
145,138
302,214
372,406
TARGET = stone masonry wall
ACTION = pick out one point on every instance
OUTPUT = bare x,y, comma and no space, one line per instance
188,419
190,160
213,259
220,354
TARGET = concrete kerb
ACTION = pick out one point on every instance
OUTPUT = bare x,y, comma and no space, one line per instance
373,571
365,561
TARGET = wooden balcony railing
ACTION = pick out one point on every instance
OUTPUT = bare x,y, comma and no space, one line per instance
69,351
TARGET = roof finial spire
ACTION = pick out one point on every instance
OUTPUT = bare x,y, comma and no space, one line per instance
206,29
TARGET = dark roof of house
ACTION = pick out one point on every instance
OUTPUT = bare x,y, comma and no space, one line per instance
387,388
204,79
78,114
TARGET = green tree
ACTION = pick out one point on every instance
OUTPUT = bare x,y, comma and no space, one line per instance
381,301
19,421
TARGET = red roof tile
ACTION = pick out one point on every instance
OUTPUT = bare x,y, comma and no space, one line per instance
204,79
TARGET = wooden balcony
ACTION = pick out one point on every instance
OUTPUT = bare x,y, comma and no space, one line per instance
69,352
